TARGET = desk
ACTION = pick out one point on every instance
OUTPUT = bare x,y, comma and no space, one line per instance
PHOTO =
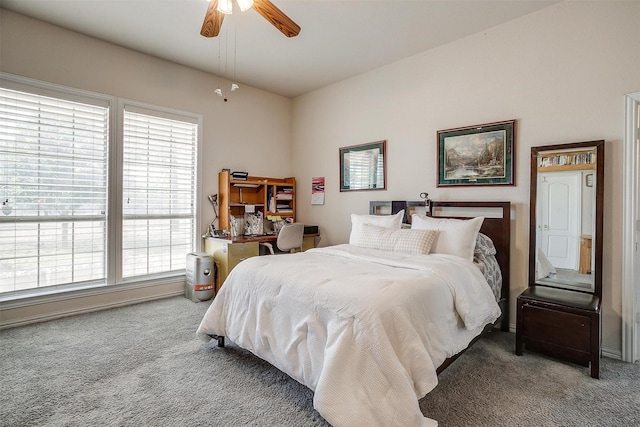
227,252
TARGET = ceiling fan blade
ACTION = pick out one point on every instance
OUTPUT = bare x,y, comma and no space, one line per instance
212,20
278,19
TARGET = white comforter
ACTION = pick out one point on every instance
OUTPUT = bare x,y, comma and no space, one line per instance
365,332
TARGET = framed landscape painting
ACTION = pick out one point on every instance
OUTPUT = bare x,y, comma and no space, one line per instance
477,155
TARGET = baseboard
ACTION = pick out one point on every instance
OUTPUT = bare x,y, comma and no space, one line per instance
611,353
28,311
21,313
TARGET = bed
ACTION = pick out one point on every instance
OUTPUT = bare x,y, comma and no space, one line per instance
368,325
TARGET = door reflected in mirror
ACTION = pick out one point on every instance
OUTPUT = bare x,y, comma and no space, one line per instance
565,211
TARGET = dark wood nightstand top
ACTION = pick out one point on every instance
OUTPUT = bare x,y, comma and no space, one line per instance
562,297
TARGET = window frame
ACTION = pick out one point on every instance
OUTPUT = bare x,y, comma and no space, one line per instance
169,113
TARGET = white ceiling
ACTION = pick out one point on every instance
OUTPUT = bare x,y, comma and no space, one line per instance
338,40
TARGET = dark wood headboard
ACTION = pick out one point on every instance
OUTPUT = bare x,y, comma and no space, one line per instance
498,229
496,226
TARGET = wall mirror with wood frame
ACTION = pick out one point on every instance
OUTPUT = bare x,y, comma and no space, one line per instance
566,213
362,167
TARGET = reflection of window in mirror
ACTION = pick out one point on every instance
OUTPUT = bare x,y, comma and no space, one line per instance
362,167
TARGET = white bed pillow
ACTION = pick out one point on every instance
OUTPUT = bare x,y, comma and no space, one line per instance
405,241
387,221
455,237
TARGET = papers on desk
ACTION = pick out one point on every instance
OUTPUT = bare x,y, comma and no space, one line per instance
252,223
277,222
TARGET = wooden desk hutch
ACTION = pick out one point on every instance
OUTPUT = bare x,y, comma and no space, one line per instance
269,196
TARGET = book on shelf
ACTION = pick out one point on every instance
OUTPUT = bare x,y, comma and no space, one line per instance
567,159
284,193
240,176
284,208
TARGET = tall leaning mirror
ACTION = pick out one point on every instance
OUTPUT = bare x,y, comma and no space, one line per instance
565,247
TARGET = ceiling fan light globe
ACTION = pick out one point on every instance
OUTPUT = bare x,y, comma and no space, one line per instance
245,4
225,6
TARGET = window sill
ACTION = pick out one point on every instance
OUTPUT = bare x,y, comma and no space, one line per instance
21,299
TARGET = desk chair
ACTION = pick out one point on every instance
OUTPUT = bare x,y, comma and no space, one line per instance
289,238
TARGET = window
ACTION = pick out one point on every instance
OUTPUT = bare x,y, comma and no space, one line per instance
53,185
84,205
158,193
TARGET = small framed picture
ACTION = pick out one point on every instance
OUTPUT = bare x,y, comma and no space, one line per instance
589,180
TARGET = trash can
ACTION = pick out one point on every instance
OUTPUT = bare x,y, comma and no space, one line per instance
199,271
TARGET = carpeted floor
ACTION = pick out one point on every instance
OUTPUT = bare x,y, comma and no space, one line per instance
143,366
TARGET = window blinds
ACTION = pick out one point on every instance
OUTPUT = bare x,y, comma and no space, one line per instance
53,190
159,178
366,169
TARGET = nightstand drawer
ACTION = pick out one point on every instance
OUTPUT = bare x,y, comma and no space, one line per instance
555,327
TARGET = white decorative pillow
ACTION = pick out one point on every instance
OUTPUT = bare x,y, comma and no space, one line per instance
456,237
405,241
387,221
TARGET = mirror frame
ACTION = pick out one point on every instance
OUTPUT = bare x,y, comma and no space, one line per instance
598,146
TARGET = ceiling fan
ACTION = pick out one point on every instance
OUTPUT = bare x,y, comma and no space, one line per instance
218,8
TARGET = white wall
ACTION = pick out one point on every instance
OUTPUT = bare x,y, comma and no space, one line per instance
561,72
251,132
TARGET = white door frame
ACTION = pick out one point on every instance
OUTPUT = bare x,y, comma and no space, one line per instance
631,232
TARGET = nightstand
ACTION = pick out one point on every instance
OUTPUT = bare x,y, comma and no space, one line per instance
561,323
